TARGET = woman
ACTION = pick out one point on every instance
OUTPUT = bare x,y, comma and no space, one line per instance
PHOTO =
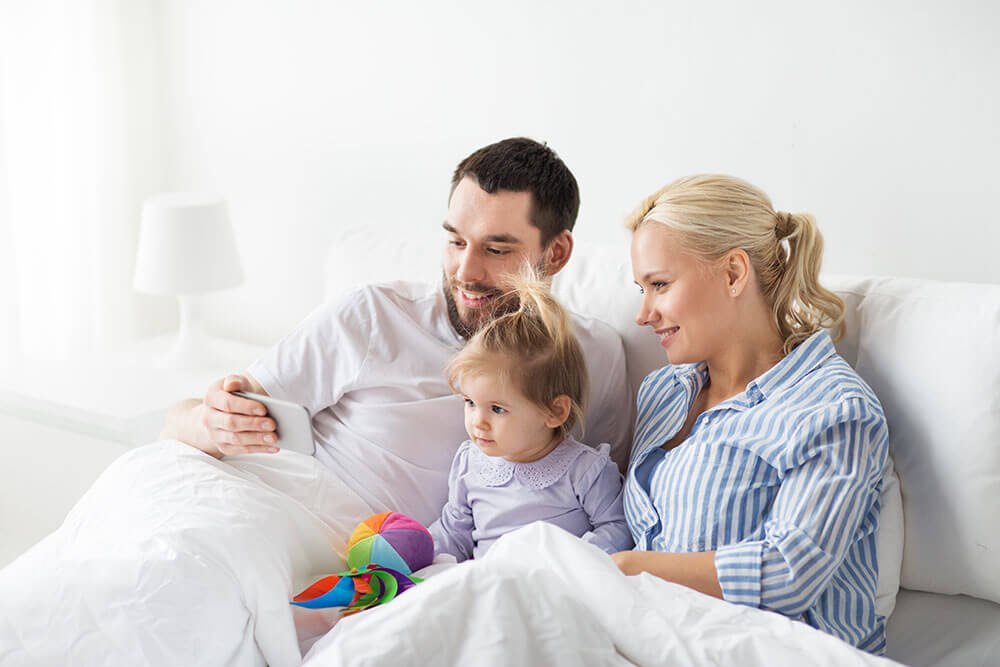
756,467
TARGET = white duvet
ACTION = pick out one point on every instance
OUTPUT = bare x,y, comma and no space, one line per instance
174,558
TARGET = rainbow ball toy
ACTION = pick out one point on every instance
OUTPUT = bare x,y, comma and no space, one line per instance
383,552
392,540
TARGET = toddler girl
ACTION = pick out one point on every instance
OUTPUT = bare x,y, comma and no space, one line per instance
523,378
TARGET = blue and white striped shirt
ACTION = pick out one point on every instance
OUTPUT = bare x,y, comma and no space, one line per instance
782,481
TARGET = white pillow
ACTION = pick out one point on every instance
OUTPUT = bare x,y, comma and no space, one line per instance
357,257
889,542
931,352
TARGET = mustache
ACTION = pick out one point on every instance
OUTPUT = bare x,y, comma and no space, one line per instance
479,288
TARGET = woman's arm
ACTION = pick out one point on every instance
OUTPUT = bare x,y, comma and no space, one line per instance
825,495
694,570
829,487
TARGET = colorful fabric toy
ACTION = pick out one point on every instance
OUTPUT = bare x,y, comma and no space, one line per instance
383,552
392,540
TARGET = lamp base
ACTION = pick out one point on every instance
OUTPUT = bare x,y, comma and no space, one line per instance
193,352
194,349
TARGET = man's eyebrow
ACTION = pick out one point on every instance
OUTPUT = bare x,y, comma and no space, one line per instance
492,238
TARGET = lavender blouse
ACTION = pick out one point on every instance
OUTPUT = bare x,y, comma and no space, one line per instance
575,487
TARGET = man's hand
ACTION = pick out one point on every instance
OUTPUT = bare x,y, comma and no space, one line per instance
233,424
223,424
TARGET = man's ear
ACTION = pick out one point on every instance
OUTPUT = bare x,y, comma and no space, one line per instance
559,410
557,252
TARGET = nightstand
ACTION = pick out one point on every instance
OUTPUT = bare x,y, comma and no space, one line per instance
62,424
122,397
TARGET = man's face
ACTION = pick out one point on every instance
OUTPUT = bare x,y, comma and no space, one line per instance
488,235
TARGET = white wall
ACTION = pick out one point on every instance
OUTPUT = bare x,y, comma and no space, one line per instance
312,117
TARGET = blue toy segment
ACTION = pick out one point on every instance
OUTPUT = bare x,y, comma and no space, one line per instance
340,595
385,555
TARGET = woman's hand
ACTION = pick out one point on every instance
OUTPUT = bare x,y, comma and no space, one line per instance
625,562
694,570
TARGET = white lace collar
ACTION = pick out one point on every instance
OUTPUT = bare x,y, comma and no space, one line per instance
497,471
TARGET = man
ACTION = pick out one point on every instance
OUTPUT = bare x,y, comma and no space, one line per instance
370,368
174,558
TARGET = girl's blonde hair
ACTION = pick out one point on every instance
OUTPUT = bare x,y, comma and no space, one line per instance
531,348
713,214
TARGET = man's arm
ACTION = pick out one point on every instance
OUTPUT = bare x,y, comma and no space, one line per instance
222,424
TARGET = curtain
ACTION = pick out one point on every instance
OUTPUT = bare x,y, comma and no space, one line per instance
77,155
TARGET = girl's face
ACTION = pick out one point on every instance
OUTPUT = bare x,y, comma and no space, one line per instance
502,422
685,302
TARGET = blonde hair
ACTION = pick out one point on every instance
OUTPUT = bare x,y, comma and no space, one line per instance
713,214
532,348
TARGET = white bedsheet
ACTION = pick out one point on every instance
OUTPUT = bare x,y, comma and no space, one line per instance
543,597
174,558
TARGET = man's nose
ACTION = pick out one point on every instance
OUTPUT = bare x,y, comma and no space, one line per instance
470,268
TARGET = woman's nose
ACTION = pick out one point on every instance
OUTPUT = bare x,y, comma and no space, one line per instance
645,315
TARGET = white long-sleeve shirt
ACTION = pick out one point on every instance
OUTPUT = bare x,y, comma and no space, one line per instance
370,370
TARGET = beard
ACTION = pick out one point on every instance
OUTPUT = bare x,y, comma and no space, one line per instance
500,303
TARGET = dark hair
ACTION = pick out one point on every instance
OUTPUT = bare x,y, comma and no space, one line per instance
524,165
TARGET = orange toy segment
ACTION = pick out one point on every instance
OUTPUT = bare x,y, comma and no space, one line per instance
361,532
376,520
319,588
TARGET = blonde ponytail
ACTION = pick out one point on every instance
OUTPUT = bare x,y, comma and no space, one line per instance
714,214
802,306
532,347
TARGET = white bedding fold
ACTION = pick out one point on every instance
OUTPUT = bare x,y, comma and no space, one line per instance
543,597
175,558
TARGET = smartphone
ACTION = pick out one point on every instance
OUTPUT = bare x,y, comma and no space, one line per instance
293,422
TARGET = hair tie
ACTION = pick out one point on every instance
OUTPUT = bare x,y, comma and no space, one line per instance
783,224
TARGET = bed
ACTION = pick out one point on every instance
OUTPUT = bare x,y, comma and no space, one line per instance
174,558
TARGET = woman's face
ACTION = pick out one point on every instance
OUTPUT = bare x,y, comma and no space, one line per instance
684,301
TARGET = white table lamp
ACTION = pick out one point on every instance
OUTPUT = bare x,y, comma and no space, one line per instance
186,248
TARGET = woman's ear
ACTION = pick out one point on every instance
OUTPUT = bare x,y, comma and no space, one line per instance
559,410
737,266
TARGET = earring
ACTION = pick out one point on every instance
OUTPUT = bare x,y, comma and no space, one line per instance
733,291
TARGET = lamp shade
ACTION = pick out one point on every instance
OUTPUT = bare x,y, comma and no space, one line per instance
186,245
